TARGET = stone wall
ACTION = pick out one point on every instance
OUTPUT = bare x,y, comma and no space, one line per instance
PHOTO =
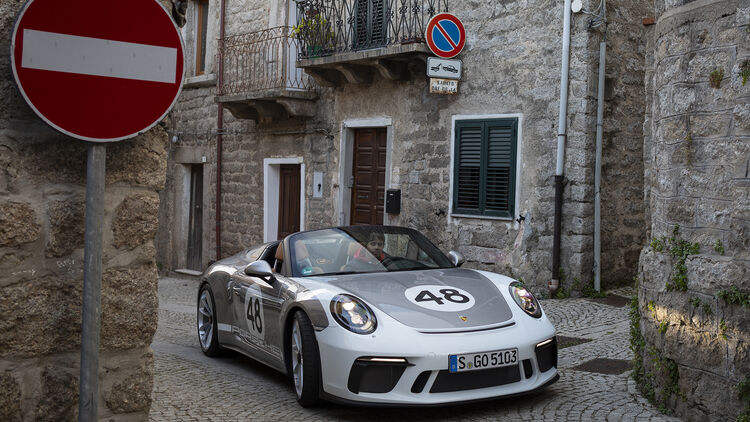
42,192
698,186
623,227
511,66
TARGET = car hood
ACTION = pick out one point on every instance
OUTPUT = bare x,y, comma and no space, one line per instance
388,291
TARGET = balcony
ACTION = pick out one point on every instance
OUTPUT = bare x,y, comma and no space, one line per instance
347,41
260,80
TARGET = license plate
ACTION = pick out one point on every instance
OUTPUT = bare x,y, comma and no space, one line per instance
484,360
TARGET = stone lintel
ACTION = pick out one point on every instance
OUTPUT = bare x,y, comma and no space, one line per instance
189,154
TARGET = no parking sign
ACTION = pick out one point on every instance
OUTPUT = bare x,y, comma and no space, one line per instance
445,35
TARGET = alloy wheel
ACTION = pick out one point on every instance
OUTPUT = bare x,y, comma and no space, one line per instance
205,320
297,359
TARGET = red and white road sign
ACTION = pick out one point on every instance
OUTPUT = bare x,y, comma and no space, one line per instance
98,70
445,35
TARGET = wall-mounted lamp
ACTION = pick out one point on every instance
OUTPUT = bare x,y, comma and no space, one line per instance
179,8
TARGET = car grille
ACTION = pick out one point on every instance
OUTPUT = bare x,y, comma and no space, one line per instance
459,381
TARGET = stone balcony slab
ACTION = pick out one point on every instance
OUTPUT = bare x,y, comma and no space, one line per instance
359,67
269,105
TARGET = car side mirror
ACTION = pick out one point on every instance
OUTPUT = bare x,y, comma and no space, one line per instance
260,269
456,258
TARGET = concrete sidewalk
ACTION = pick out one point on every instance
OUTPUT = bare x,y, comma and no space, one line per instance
188,386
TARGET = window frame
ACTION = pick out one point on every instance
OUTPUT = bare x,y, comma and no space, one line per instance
515,121
201,36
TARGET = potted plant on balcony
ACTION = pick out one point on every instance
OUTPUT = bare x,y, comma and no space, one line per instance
314,33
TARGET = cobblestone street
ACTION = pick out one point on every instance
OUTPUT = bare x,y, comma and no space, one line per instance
189,386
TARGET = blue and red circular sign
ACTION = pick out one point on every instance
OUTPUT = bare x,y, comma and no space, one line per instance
445,35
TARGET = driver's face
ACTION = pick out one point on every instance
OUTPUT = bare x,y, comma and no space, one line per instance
375,246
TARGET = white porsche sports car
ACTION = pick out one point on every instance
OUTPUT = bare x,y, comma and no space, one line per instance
377,315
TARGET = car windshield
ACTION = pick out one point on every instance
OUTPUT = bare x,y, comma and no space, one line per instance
362,249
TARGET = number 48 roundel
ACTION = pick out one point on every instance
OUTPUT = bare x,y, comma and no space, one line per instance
440,298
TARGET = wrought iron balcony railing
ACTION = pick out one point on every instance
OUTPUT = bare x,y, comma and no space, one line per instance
259,61
327,27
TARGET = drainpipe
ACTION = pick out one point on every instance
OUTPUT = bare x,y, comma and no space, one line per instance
598,171
219,130
562,134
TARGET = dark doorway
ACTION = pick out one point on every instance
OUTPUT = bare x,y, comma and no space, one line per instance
289,204
368,190
195,219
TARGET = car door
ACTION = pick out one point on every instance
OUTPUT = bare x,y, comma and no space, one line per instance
256,308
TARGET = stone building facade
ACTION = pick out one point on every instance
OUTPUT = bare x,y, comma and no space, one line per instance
42,201
511,70
695,274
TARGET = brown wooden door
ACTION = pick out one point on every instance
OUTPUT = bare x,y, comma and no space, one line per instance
195,218
289,191
368,190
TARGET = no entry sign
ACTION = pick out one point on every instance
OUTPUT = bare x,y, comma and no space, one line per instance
445,35
98,70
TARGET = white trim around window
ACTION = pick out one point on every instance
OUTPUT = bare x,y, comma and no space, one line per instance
454,218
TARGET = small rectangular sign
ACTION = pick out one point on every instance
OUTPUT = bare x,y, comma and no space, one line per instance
443,68
443,86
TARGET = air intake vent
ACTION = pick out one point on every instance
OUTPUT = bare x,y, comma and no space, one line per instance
471,380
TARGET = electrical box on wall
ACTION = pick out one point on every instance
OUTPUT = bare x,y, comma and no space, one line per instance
393,201
317,184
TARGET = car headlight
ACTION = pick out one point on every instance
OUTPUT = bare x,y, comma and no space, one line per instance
353,314
525,299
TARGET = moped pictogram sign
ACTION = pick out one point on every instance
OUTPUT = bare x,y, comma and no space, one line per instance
445,35
98,70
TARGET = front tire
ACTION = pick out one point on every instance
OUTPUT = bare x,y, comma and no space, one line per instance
305,361
208,335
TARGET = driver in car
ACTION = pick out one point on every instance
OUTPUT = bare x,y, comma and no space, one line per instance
374,246
368,253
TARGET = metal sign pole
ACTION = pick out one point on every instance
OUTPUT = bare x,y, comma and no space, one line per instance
92,283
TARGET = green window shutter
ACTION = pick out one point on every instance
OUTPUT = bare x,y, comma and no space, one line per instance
485,167
501,157
468,168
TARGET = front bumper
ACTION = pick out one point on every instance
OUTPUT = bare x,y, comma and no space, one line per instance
417,371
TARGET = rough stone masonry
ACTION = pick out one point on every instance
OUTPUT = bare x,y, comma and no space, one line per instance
696,271
42,191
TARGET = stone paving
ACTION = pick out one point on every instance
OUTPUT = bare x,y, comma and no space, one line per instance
189,386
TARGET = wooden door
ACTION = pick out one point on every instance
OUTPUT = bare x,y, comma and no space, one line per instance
368,190
195,218
289,203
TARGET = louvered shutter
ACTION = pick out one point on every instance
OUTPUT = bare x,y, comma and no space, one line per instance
371,24
360,30
468,167
378,32
500,159
485,167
